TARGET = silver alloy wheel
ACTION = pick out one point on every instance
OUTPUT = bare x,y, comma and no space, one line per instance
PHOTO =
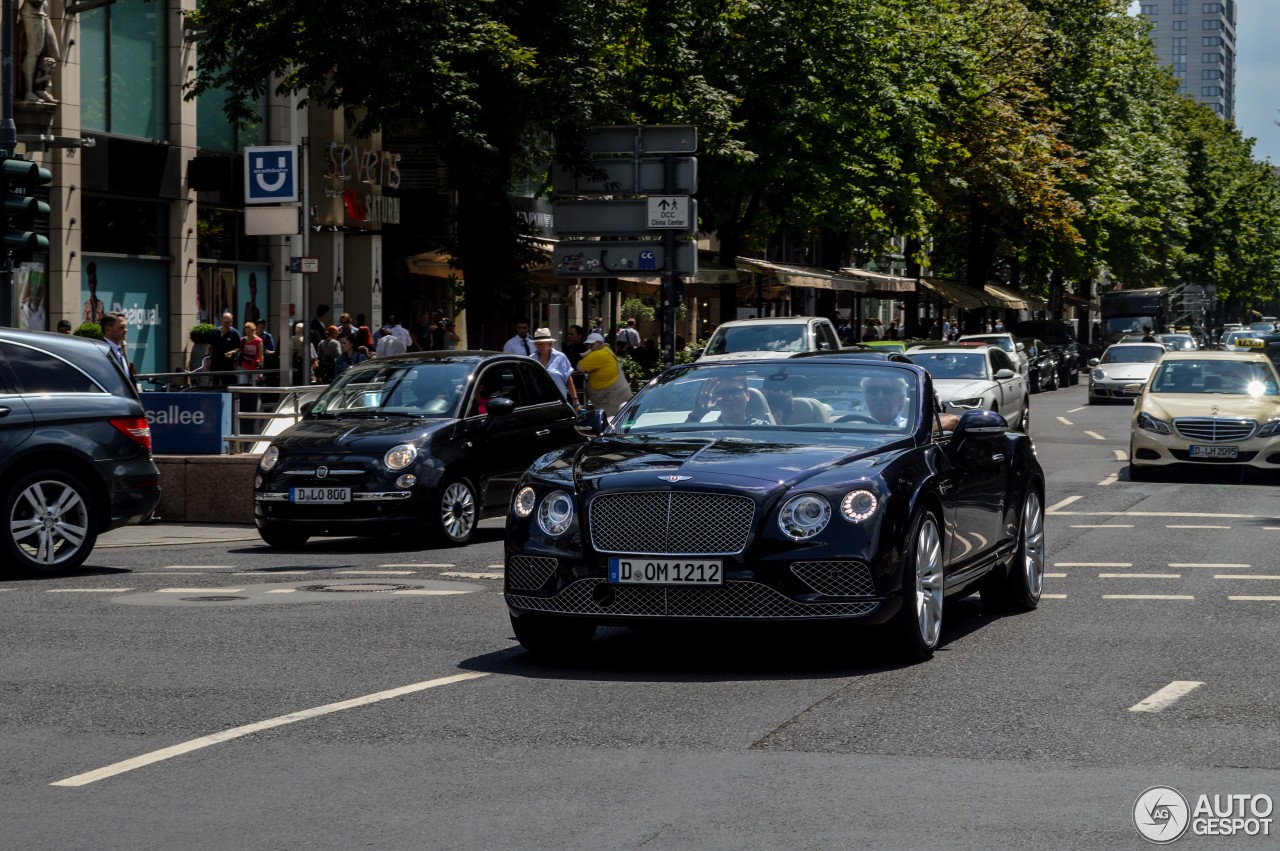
457,511
928,561
1033,544
49,522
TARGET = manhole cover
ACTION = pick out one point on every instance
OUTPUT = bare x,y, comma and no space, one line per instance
211,599
358,587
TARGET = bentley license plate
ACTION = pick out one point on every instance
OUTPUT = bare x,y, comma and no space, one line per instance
330,496
1214,451
641,571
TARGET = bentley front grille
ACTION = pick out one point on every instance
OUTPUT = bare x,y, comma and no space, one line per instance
836,578
731,600
671,523
530,573
1214,429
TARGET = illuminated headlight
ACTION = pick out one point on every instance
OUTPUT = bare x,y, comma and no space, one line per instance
967,403
523,505
399,457
555,514
1269,428
858,505
1098,375
406,481
804,516
269,459
1146,422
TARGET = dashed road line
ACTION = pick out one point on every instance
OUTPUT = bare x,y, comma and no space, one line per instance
418,565
1055,576
1074,410
1265,599
1245,576
425,592
238,732
1053,596
268,572
378,572
1062,504
1139,575
1147,597
1208,564
87,590
281,591
495,566
1164,697
1197,514
1093,564
1065,421
1121,455
1102,526
1179,526
199,566
1109,480
199,590
1095,435
471,574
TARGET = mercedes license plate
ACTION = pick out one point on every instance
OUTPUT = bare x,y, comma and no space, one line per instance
1214,451
320,495
643,571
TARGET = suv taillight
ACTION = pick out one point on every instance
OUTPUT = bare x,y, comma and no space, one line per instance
136,429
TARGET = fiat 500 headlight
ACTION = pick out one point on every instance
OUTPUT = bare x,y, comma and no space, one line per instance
1146,422
555,514
858,505
523,504
269,459
399,457
804,516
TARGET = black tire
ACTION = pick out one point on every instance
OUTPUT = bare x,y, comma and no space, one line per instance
918,623
456,514
550,636
1055,382
1037,385
283,539
1074,377
51,522
1019,590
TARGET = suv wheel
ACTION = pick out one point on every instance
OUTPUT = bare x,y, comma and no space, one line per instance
52,522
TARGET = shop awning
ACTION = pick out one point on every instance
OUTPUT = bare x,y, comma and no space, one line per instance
1015,300
804,276
961,295
882,284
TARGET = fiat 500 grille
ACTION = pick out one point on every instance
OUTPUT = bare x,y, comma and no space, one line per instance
529,573
671,523
731,600
836,578
1214,429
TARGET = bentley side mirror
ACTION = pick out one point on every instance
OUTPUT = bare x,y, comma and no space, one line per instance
979,424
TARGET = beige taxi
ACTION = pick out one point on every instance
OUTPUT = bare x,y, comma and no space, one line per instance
1205,409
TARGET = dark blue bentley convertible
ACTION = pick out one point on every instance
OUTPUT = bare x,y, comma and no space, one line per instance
812,489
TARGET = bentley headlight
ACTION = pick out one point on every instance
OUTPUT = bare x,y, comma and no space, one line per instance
1098,375
555,513
967,403
523,505
1269,428
269,459
1146,422
859,505
399,457
804,516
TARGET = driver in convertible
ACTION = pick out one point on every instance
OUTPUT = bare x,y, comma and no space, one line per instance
886,396
729,396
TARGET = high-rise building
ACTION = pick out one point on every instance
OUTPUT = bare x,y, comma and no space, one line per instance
1198,39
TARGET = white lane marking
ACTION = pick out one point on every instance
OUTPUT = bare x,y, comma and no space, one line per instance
1271,528
1093,564
1057,505
1245,576
470,574
1193,564
6,589
1055,576
282,590
1095,435
198,566
1165,696
1147,597
1074,410
1053,596
378,572
425,592
420,564
198,590
1065,421
237,732
496,566
1121,455
1199,514
273,573
161,573
1109,480
1256,599
1139,575
1191,526
86,590
1102,526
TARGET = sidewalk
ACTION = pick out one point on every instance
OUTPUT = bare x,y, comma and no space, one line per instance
172,534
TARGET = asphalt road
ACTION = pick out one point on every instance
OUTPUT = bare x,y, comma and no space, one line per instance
213,694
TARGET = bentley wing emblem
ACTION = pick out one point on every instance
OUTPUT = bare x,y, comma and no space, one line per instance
674,479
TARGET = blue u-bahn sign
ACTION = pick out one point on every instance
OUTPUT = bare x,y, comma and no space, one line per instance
270,174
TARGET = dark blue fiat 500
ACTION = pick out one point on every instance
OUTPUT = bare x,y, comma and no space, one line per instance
823,488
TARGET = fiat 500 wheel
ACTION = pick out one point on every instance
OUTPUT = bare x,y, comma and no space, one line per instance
457,513
52,522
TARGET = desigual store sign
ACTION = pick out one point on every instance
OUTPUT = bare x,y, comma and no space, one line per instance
353,179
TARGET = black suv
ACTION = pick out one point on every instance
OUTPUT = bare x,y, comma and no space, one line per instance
75,450
1060,336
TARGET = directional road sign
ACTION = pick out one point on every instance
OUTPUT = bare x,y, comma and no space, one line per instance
628,217
668,212
613,259
631,176
643,139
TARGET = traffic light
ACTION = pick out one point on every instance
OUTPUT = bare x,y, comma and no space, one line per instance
21,179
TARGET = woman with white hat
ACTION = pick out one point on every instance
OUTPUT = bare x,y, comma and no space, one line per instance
607,384
556,364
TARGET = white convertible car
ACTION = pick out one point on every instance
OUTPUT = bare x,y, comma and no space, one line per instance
968,377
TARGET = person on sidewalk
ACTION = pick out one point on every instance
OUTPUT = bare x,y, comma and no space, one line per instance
555,363
607,386
520,344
